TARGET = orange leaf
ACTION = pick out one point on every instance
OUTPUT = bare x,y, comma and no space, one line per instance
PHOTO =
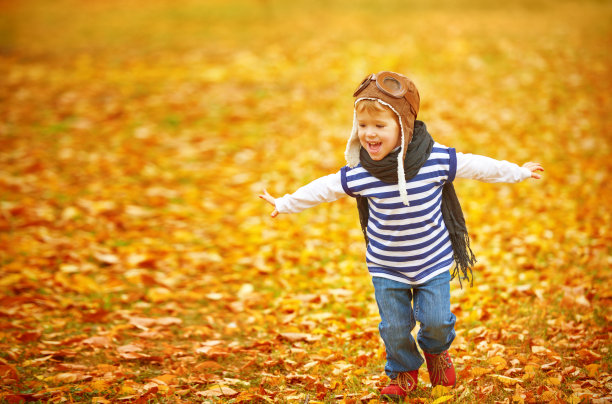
8,372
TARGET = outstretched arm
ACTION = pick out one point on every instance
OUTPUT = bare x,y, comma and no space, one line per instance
486,169
324,189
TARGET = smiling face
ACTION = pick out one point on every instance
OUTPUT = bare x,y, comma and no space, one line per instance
378,129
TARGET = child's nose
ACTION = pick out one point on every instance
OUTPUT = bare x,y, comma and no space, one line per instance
370,131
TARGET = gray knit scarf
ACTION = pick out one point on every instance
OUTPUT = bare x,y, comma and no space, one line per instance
418,152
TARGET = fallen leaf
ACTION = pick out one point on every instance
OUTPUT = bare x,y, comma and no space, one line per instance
98,342
218,391
506,379
442,399
478,371
499,363
8,372
592,369
129,348
296,337
538,350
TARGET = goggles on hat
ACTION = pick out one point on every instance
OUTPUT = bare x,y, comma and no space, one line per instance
391,84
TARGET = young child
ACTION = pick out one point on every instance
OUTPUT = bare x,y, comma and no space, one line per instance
412,222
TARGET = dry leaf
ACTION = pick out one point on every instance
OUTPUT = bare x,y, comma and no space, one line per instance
295,337
98,342
506,379
218,391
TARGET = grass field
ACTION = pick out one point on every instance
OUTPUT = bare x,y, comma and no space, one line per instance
138,265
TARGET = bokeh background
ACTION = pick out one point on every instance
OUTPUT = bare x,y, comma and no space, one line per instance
135,137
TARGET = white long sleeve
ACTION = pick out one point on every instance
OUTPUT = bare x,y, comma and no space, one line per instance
324,189
329,188
486,169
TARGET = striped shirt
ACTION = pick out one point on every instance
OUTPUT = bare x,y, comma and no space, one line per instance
406,243
409,244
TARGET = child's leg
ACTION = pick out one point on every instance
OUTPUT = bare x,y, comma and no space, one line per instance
394,301
432,310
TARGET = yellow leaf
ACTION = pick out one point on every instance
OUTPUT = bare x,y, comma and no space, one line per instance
592,369
158,295
82,283
127,389
10,279
506,379
477,371
442,399
70,213
555,381
529,370
99,385
439,390
499,363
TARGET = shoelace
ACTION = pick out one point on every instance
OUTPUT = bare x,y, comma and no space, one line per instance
404,380
440,364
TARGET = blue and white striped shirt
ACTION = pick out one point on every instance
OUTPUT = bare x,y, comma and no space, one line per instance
406,243
409,244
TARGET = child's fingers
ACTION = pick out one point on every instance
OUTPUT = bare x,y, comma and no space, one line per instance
268,198
533,166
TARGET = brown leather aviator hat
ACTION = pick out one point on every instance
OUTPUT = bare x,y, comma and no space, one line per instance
398,93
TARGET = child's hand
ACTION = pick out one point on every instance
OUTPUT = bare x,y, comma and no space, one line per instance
533,167
270,199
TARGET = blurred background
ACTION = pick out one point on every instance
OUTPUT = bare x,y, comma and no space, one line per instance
135,137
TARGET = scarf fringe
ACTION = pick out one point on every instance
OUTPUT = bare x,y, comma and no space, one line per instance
464,258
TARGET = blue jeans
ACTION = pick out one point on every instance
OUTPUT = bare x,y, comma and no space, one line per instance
431,301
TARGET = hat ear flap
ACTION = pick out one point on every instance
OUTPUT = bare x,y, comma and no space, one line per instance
353,145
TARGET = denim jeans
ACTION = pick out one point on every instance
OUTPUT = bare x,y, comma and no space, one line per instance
431,302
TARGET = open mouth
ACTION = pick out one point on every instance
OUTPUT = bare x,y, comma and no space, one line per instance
374,147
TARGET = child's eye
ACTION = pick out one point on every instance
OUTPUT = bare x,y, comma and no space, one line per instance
362,125
380,126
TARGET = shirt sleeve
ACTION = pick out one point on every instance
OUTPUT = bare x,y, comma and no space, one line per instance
486,169
324,189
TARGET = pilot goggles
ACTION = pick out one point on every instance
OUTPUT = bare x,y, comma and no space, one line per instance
391,84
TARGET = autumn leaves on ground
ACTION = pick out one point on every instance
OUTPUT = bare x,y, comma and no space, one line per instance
138,265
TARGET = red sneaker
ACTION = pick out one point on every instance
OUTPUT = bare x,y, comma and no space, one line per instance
399,387
441,369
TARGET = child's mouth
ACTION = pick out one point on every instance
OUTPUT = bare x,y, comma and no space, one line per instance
374,147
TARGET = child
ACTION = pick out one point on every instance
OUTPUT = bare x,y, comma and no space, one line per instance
411,219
